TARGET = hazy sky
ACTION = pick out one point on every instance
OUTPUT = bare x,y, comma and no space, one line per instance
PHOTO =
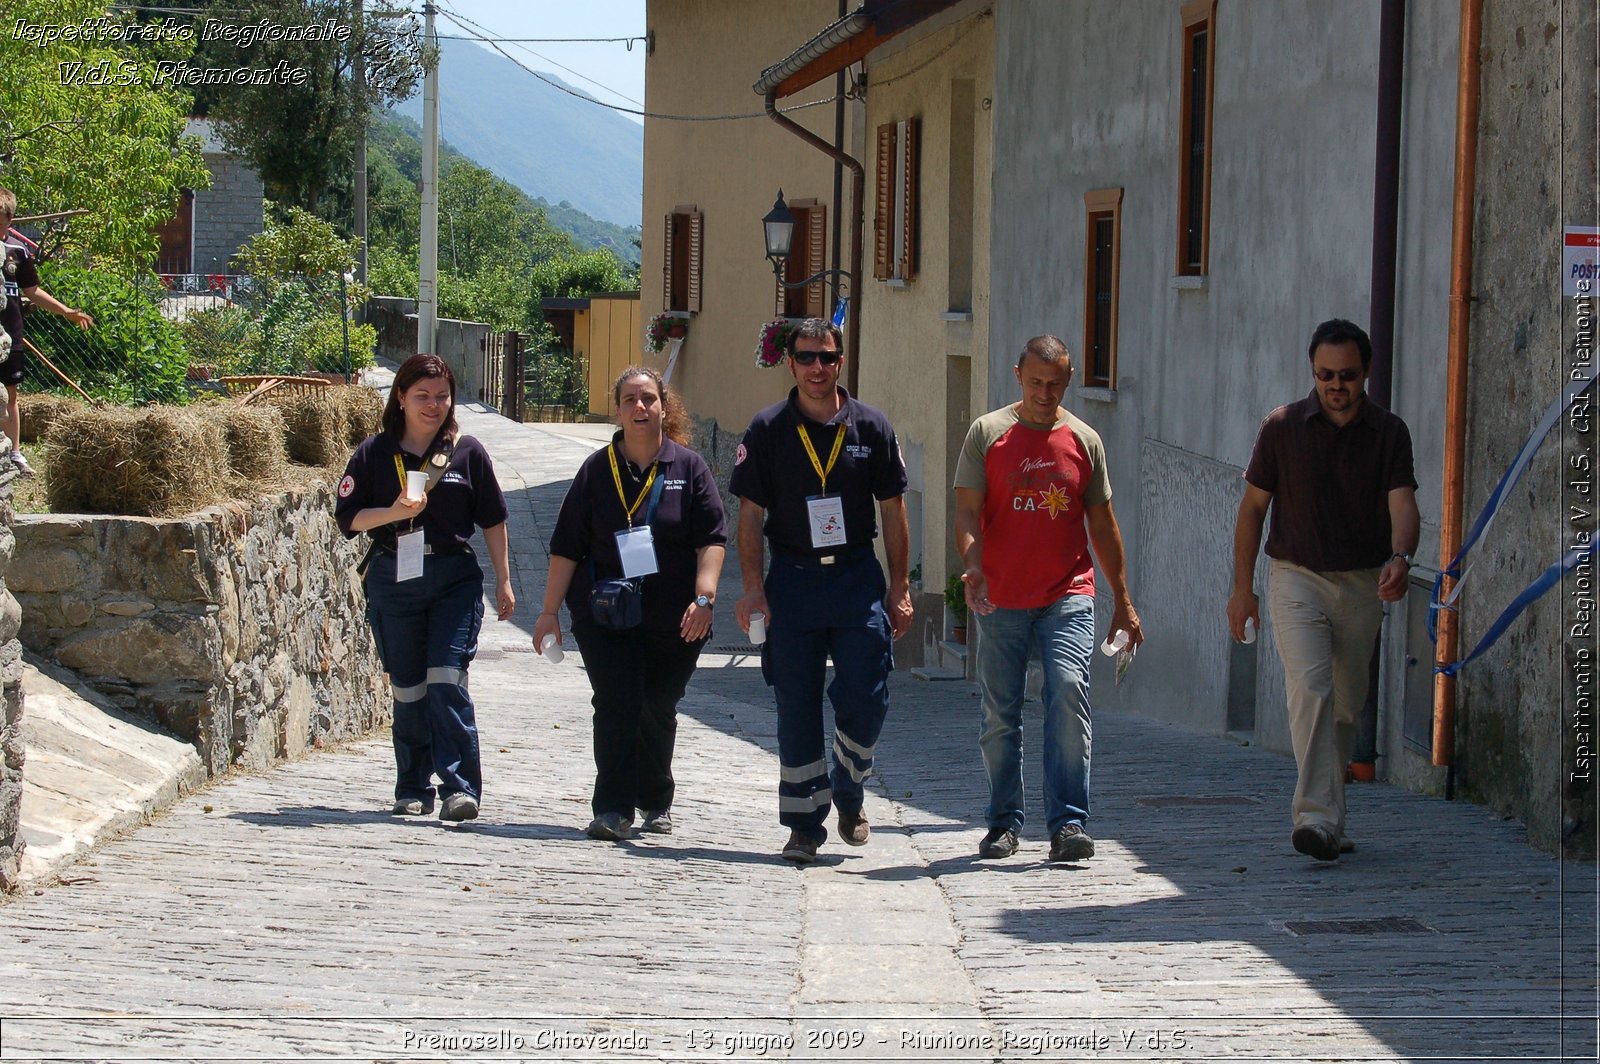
616,73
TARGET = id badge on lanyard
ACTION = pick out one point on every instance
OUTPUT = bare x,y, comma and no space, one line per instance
408,556
637,549
826,513
408,547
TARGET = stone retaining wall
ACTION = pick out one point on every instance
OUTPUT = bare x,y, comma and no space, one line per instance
240,629
11,755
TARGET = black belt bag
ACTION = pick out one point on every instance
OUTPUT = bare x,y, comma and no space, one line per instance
617,604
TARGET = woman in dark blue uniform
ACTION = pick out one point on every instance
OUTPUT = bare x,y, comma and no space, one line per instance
424,585
646,507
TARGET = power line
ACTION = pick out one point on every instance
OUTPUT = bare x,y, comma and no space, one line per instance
462,21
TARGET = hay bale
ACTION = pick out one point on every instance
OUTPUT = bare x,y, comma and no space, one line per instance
315,427
155,461
363,409
38,411
254,436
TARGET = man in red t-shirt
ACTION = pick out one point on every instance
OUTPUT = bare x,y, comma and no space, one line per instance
1032,497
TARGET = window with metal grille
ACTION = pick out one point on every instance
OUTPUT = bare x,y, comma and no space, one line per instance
1194,154
681,259
1102,253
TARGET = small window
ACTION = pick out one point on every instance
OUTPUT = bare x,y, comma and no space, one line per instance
1102,259
808,254
894,221
681,259
1194,153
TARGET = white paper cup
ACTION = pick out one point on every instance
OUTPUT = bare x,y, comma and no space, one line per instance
551,649
1249,630
416,483
758,629
1116,643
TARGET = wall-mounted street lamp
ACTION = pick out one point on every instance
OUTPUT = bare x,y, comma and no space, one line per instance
779,226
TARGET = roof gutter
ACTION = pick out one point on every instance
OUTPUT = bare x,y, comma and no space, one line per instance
805,66
858,188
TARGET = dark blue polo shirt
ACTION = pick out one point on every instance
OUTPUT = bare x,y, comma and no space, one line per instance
467,494
688,517
773,470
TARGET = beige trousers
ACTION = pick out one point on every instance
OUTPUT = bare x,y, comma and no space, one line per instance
1325,625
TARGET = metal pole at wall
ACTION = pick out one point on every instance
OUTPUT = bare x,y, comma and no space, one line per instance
428,267
359,78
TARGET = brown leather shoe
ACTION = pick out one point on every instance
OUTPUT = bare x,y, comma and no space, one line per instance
800,849
854,829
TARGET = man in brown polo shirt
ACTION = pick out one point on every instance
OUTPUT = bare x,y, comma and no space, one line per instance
1335,469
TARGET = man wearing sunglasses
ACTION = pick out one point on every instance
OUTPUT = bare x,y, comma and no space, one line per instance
807,474
1335,469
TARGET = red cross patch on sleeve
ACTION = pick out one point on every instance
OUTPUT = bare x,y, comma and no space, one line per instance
346,486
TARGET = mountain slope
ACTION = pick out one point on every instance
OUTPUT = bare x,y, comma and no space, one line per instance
542,140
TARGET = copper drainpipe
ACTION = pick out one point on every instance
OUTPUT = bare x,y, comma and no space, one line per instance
858,186
1455,409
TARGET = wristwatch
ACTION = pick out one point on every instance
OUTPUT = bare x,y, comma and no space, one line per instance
1403,556
703,600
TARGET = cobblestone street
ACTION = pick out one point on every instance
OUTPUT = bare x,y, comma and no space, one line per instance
287,916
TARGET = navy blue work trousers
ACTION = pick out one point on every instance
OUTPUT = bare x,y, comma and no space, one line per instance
818,612
427,632
638,676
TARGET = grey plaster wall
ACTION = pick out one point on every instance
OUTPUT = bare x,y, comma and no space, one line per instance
227,214
11,743
1295,103
459,343
1536,173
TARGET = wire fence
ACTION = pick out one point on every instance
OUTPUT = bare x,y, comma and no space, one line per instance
160,338
556,385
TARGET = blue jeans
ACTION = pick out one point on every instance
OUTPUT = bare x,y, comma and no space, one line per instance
427,634
1061,637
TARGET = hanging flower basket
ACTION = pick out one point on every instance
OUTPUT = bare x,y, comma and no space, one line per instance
664,327
772,342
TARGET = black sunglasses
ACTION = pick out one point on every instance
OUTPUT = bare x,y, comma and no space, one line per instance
829,358
1344,375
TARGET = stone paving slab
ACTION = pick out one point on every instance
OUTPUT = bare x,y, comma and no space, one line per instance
287,916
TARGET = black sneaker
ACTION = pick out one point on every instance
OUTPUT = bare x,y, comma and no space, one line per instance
801,849
459,806
412,807
999,843
610,827
657,822
1071,843
1316,841
854,829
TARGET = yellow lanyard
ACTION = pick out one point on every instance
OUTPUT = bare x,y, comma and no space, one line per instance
616,476
811,453
400,469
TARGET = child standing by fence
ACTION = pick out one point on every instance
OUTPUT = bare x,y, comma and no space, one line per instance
20,278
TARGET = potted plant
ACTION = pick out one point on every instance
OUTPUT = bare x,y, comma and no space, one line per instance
955,603
772,342
663,327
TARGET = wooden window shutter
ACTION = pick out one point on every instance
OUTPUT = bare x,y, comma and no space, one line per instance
696,231
908,204
883,250
816,260
666,266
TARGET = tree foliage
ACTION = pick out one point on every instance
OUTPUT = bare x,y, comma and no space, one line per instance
298,132
90,123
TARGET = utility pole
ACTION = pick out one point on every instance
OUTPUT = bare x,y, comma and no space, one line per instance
359,68
428,268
